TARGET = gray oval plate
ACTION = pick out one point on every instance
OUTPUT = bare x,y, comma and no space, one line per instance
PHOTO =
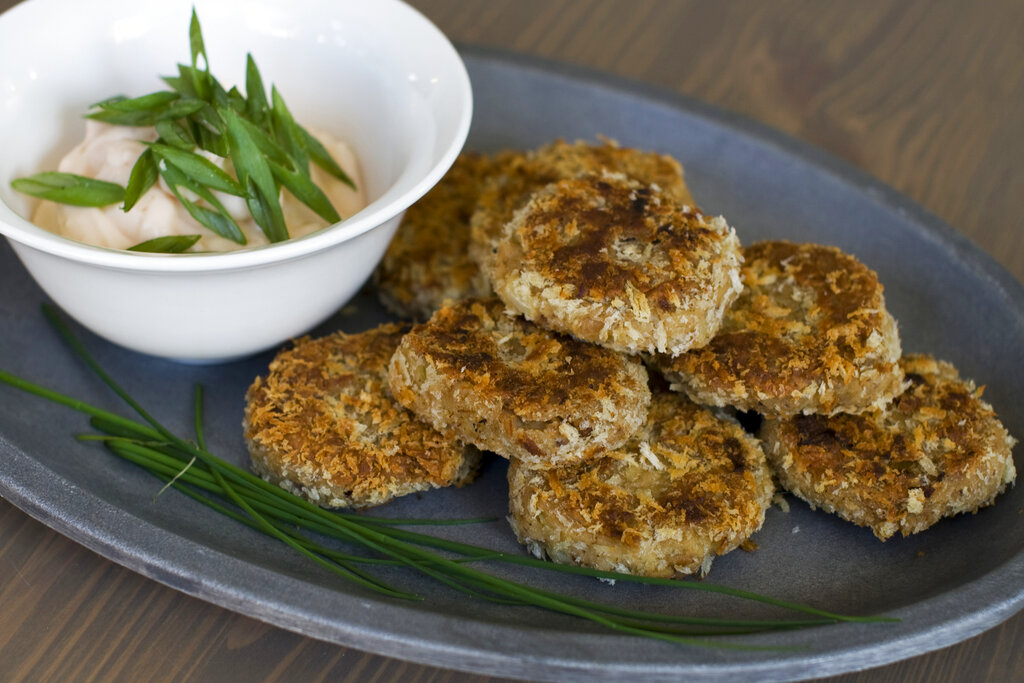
955,580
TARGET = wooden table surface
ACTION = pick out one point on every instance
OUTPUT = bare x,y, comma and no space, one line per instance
927,96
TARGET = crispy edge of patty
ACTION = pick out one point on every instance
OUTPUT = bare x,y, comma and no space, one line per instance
322,425
688,487
519,176
427,261
810,333
505,385
615,262
935,451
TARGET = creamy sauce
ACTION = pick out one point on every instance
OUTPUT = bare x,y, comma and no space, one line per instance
109,152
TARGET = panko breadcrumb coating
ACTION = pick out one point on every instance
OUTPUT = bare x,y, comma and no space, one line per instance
809,334
508,386
616,262
689,486
936,451
521,175
427,261
322,425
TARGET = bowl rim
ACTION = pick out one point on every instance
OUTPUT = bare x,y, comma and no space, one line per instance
17,228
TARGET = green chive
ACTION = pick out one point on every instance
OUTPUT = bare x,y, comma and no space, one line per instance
236,100
268,146
217,219
288,133
174,108
169,244
199,169
143,176
151,102
322,158
68,188
306,191
176,134
263,212
254,172
210,141
200,79
256,102
181,85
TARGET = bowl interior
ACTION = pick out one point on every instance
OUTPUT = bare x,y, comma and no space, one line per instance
377,74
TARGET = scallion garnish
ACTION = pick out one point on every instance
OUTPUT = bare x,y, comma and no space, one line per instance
188,466
266,147
68,188
168,244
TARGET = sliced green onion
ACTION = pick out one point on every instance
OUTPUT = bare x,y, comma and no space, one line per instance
169,244
69,188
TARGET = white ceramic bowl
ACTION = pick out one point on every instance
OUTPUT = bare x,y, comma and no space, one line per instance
377,74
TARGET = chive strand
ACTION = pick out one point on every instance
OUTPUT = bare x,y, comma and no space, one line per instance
743,626
261,524
453,546
69,402
197,405
591,605
151,460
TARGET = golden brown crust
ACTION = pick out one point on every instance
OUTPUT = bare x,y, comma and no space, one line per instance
809,334
687,487
427,261
937,450
520,176
323,425
506,385
616,262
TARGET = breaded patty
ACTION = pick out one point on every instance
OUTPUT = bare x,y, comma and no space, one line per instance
936,451
809,334
322,425
613,261
505,385
522,175
427,261
689,486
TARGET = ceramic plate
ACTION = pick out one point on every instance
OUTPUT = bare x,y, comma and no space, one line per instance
962,576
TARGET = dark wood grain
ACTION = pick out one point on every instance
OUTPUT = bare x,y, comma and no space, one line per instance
927,96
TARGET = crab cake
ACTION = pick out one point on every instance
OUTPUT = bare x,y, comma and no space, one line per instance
615,262
519,176
936,451
808,334
322,425
427,261
687,487
505,385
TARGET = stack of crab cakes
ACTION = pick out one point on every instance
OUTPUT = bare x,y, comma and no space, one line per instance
889,442
596,254
606,245
583,319
603,471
